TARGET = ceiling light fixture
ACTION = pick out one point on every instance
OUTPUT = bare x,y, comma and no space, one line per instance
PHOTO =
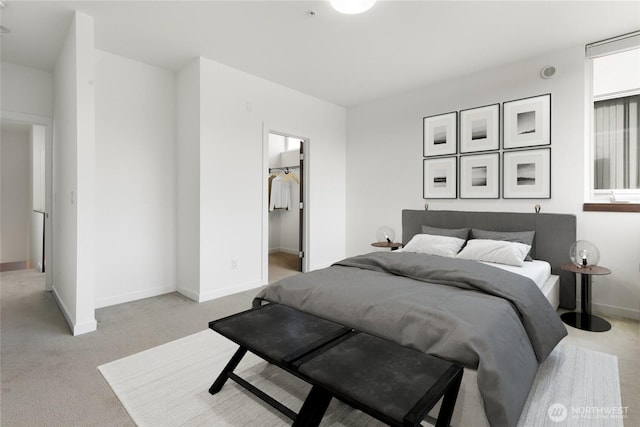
352,7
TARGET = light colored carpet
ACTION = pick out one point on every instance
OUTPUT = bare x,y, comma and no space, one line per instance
168,386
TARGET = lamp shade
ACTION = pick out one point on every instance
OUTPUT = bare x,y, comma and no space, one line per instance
385,234
584,253
352,7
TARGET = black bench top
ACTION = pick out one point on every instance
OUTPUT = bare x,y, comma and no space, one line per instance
396,384
278,333
377,373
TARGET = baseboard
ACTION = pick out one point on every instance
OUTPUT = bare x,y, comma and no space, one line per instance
76,329
12,266
219,293
83,328
134,296
63,308
612,310
193,296
286,251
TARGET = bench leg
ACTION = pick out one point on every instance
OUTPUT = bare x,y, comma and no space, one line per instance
224,375
449,403
313,408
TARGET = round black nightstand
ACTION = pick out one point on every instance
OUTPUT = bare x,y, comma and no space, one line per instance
585,320
391,245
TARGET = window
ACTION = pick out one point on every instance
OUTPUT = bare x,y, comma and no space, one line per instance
615,119
616,144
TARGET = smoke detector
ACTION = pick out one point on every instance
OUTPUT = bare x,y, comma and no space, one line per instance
547,71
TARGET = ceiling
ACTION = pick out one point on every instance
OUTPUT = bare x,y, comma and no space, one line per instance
394,47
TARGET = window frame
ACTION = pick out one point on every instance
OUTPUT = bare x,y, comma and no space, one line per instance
593,196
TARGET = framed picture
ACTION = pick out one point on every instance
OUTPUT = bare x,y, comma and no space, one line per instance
440,134
480,129
439,176
480,176
527,174
527,122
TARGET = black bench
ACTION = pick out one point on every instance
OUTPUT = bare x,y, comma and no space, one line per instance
395,384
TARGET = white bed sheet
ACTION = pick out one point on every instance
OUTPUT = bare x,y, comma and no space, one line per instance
536,270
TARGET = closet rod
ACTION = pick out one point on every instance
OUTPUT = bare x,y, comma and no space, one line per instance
284,168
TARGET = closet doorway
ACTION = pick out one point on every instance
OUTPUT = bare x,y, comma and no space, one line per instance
286,206
26,153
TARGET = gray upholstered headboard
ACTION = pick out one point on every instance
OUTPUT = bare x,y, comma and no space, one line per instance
555,233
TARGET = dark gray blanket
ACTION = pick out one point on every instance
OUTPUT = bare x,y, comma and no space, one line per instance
483,317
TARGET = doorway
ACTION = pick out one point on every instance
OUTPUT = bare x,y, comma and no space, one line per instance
286,206
26,193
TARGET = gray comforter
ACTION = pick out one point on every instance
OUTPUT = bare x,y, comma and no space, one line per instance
483,317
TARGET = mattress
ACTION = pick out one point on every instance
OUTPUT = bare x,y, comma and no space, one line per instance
538,271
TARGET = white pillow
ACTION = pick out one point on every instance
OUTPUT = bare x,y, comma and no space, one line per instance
434,245
497,251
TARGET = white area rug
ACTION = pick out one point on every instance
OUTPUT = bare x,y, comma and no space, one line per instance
168,386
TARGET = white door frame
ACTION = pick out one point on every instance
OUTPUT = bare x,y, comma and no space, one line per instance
47,122
279,130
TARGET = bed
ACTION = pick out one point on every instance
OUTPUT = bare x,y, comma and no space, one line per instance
499,324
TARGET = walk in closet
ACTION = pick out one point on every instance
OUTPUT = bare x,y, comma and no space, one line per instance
285,186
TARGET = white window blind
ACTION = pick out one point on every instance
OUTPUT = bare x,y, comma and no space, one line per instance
617,143
615,91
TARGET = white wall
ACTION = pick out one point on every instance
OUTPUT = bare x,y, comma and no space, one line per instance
188,181
236,111
37,183
135,180
14,203
38,136
74,176
276,146
26,90
384,159
27,97
86,175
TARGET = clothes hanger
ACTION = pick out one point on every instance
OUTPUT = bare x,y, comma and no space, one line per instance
291,176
